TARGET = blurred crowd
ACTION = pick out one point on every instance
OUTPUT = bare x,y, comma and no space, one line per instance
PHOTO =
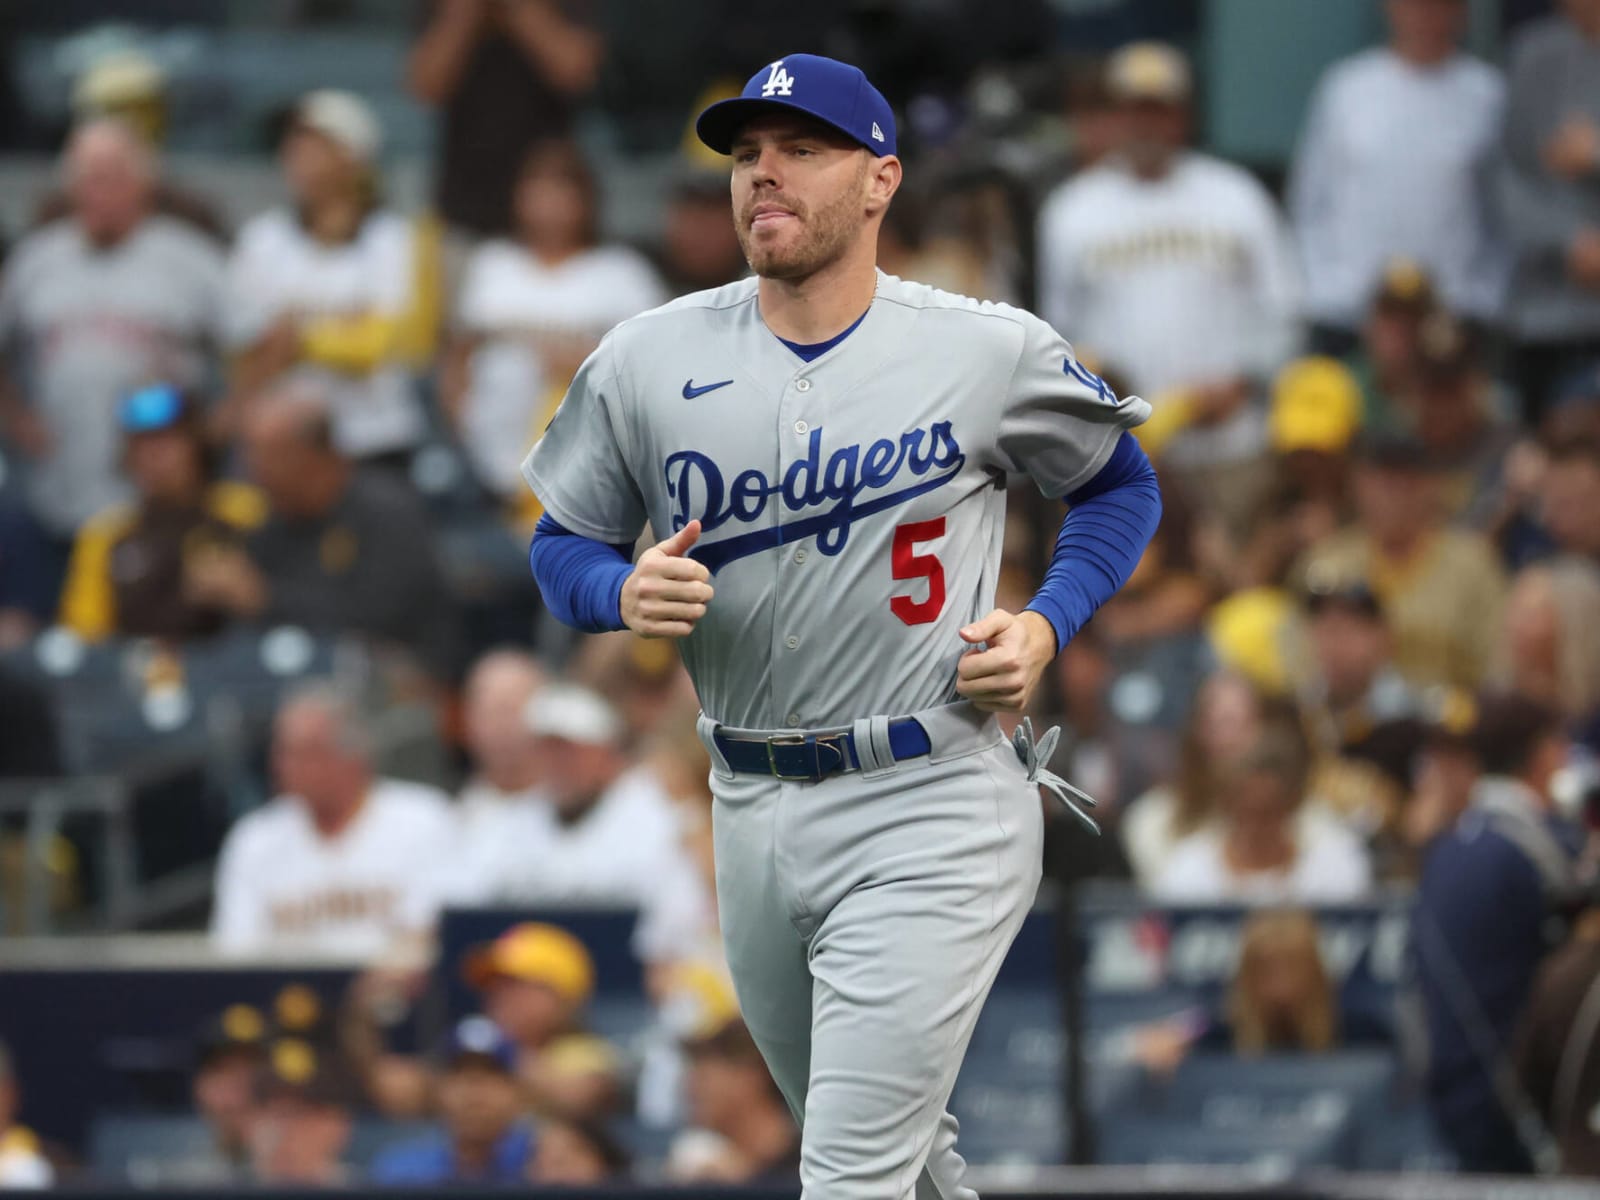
1363,650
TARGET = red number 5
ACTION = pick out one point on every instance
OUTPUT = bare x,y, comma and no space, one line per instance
910,565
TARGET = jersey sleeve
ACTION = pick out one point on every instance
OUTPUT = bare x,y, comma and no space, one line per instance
579,468
1059,422
238,912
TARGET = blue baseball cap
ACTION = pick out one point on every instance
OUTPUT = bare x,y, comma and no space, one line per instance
833,92
150,409
479,1037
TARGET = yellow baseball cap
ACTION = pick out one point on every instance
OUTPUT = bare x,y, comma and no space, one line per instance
1149,71
1316,405
534,953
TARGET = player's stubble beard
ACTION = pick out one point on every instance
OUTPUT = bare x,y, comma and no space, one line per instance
825,233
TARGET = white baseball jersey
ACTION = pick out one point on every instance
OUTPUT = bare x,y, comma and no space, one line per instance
283,887
277,268
1176,282
852,507
511,300
628,849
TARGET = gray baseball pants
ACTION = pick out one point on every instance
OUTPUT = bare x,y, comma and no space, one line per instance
865,918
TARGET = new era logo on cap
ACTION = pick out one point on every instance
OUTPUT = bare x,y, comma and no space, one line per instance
831,91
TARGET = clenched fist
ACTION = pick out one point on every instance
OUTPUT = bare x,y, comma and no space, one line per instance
1001,676
667,593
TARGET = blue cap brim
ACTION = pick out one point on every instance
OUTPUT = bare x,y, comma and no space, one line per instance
719,124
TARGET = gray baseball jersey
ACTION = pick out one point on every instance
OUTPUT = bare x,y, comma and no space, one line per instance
852,507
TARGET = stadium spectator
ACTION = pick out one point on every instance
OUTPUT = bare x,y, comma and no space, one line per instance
484,1140
504,754
535,981
1569,495
1270,842
341,551
92,307
741,1131
1479,929
302,1125
608,833
1444,772
1558,1046
129,86
1549,648
1441,588
504,75
341,861
130,563
1462,423
1314,419
1175,270
576,1154
1550,162
699,245
230,1056
532,308
1282,1000
30,571
334,291
1351,685
22,1163
1396,161
1223,724
1385,363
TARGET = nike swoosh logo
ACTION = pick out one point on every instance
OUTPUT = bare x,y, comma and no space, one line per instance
690,391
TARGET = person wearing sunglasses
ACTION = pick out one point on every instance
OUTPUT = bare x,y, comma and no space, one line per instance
132,563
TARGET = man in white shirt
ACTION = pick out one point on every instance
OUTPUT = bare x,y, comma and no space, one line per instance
341,862
1171,268
1396,161
507,767
606,832
92,307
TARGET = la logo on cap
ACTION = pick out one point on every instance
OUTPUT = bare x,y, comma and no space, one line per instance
779,82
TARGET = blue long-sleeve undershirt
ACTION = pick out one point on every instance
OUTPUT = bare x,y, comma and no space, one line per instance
1111,519
580,579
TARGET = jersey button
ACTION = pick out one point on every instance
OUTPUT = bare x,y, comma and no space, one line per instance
802,385
791,641
793,719
801,427
800,555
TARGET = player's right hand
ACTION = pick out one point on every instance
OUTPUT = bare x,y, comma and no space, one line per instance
667,592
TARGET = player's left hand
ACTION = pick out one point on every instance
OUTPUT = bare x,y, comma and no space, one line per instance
1011,651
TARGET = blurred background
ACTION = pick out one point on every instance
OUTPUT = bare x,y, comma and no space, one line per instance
328,858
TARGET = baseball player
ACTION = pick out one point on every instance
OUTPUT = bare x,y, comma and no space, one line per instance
825,449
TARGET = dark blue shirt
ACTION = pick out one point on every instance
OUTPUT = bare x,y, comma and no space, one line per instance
432,1160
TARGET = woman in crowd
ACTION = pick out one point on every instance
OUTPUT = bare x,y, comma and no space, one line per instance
1282,1000
1550,650
336,286
531,310
1222,727
1267,844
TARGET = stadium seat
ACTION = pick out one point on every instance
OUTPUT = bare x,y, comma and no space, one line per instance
1003,1123
1269,1149
134,1148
